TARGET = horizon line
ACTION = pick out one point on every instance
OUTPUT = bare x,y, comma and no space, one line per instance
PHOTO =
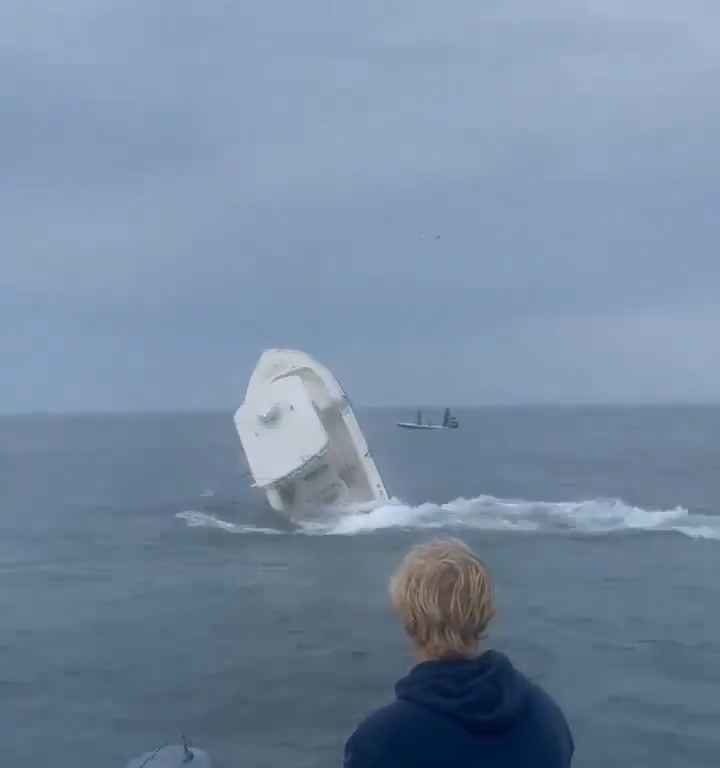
392,406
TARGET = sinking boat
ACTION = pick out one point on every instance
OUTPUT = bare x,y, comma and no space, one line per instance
303,444
449,422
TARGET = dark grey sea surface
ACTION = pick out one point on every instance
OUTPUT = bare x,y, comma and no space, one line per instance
145,589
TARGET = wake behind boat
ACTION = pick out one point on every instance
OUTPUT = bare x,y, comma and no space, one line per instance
303,444
449,422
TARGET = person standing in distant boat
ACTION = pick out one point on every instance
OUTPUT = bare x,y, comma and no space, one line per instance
460,706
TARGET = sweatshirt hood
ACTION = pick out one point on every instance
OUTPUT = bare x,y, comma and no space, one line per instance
484,694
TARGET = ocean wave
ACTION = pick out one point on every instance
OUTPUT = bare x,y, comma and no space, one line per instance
593,517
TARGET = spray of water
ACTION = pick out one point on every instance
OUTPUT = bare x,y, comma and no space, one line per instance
596,516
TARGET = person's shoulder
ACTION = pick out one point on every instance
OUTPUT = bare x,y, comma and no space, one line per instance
542,700
535,695
384,721
371,742
549,716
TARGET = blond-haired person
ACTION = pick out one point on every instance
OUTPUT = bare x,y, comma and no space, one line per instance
462,704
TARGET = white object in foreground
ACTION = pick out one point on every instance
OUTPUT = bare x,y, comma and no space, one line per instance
302,441
172,756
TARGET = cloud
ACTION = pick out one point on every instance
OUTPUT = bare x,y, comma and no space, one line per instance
379,184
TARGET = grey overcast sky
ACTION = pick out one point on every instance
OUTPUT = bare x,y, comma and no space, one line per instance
465,202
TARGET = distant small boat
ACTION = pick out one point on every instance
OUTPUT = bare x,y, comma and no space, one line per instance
449,422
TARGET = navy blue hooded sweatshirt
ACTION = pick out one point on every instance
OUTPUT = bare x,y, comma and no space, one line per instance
460,714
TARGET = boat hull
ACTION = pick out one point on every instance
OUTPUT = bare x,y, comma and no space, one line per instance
302,440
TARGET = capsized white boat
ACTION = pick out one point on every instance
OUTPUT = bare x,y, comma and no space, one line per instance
302,442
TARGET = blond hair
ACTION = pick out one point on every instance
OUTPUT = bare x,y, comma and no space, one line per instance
444,596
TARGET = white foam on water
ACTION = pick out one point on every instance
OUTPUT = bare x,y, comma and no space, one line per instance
194,519
699,531
595,517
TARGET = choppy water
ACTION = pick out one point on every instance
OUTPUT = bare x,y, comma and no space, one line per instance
146,589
